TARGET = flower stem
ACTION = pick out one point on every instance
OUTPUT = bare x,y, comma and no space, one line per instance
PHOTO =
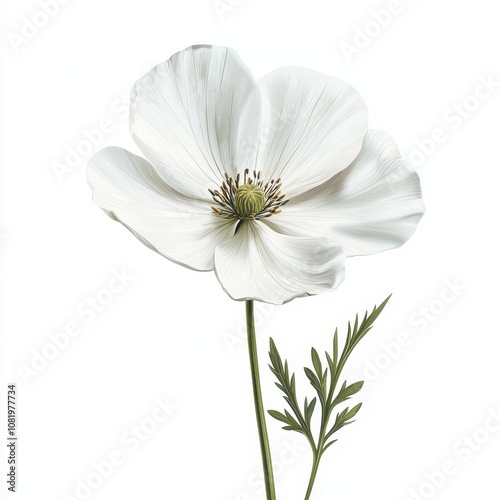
259,407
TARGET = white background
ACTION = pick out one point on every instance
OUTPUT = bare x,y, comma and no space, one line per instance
173,333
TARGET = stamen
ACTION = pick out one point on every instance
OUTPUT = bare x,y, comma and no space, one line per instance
253,199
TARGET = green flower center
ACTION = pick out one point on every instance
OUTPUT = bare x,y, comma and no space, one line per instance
249,200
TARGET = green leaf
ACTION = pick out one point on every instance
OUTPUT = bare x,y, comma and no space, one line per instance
317,363
309,411
353,411
286,383
328,445
336,347
278,416
324,380
346,392
316,383
312,378
343,418
355,329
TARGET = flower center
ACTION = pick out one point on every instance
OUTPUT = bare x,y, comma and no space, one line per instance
251,199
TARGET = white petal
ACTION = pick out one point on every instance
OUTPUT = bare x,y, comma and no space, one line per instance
259,263
186,115
182,229
373,205
312,127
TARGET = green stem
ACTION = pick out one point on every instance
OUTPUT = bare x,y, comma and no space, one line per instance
318,451
259,407
314,471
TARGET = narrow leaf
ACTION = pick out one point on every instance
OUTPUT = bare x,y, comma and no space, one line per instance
336,347
278,416
312,378
353,411
347,391
328,445
310,410
316,363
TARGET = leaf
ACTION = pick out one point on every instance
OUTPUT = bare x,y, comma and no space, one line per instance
355,329
315,382
347,391
336,347
327,445
331,363
309,411
324,380
291,423
353,412
317,363
368,321
343,418
278,416
286,383
312,378
359,331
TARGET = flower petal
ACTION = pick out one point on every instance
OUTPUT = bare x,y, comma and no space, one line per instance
186,116
129,190
373,205
259,263
312,127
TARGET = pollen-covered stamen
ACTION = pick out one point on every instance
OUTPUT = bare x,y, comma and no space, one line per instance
252,199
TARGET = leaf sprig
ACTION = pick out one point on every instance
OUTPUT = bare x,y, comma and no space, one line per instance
324,380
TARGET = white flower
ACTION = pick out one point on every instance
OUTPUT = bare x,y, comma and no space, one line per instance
269,184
